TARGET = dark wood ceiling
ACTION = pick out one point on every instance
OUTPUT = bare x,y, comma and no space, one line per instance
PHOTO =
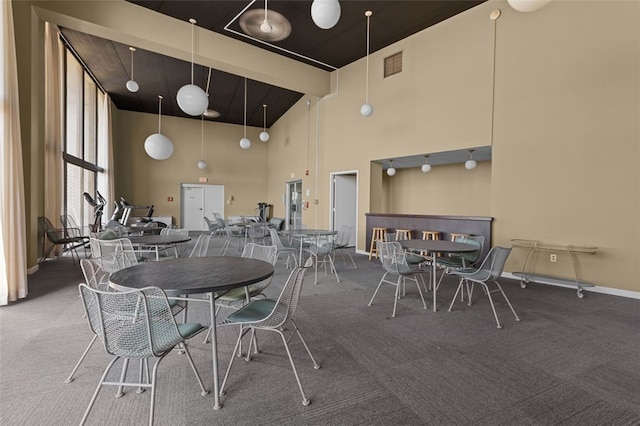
110,62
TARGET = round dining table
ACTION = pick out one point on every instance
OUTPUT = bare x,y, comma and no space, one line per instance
433,247
157,241
302,234
198,275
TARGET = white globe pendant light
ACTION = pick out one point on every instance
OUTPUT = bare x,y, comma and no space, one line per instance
391,171
367,109
245,143
527,5
157,145
325,13
470,163
191,98
426,167
264,135
132,85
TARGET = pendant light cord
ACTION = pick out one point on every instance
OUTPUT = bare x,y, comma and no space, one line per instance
493,81
366,93
264,121
159,113
245,107
265,10
131,49
202,136
193,22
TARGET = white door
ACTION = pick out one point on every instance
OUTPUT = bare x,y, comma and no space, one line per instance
293,205
344,202
198,201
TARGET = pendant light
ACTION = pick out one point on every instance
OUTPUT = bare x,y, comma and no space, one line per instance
391,171
265,27
157,145
202,164
264,135
191,98
245,143
527,5
471,163
325,13
426,167
367,109
132,86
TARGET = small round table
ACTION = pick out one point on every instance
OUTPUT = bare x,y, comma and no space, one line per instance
433,247
194,276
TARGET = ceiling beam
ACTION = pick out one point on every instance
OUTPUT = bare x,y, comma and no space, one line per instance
130,24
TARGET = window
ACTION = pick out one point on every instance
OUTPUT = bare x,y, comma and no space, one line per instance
392,64
81,145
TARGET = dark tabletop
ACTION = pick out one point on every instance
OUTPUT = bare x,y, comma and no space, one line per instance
157,240
193,275
307,232
440,246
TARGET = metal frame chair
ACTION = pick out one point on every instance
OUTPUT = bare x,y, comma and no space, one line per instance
136,324
69,238
232,235
341,244
394,262
321,250
489,271
201,247
272,315
291,251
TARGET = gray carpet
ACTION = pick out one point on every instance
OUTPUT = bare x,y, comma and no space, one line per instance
569,361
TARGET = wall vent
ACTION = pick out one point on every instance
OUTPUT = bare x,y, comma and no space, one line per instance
392,64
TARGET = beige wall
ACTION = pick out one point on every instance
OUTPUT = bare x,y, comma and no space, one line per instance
565,144
566,134
142,180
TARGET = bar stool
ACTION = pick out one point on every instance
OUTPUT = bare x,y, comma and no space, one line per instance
376,234
430,235
455,235
403,234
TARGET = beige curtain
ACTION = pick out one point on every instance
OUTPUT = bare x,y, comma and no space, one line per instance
53,128
105,156
13,237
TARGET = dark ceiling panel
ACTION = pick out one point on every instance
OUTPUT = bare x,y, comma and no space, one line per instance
110,62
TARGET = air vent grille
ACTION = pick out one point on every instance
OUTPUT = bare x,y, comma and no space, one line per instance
392,64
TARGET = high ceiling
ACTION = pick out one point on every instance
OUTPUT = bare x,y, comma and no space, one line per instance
156,74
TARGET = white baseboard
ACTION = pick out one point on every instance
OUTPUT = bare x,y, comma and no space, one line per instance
33,269
596,289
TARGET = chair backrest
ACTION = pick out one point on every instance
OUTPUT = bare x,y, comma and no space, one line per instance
275,239
201,248
344,236
493,264
46,227
257,231
257,251
321,243
220,221
94,275
287,302
123,321
471,257
217,216
183,232
102,248
211,226
392,256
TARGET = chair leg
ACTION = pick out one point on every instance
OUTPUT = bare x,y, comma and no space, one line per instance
397,296
84,354
420,291
305,400
507,300
203,390
377,288
333,267
95,394
486,288
297,330
243,331
460,284
123,375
